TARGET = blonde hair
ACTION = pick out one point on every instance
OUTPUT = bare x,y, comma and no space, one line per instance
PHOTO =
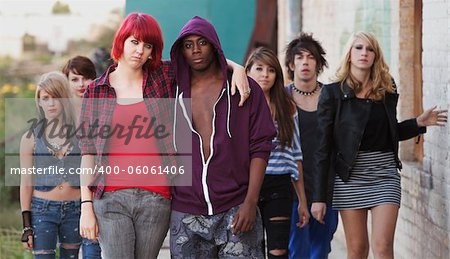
381,80
57,86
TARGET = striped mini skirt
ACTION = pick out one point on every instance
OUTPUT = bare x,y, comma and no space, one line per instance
374,180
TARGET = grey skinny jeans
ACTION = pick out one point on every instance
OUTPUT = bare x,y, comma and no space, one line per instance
132,223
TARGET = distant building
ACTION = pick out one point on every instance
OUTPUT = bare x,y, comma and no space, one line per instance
20,20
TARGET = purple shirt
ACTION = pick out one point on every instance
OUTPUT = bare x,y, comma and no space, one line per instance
240,134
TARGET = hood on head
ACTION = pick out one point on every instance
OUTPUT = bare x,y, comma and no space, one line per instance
201,27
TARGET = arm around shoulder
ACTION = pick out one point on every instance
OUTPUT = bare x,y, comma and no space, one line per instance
239,80
262,128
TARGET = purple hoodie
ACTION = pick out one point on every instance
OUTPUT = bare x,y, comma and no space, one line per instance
239,134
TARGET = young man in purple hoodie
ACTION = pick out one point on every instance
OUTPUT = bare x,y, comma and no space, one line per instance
217,215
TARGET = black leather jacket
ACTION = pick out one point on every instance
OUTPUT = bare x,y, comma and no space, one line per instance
341,123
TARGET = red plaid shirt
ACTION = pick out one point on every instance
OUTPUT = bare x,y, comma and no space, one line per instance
98,107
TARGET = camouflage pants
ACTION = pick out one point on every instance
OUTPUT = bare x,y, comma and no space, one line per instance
200,236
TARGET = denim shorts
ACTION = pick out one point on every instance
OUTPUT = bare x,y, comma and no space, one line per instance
55,221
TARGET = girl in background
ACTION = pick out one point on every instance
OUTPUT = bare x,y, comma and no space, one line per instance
80,71
284,168
50,203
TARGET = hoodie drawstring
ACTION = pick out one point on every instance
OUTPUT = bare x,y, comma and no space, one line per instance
177,99
229,109
175,121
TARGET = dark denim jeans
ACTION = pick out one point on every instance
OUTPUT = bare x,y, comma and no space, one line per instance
90,249
55,221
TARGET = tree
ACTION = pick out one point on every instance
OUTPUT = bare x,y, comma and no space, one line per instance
60,8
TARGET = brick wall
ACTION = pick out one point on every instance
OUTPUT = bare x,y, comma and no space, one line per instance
332,22
429,226
423,226
424,222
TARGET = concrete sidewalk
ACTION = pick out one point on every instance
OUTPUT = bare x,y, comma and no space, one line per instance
338,249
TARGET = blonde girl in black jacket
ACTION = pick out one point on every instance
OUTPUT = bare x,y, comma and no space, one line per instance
359,132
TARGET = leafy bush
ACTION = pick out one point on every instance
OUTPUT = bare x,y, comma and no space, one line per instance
10,245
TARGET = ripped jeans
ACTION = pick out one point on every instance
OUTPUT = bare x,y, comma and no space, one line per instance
275,204
55,221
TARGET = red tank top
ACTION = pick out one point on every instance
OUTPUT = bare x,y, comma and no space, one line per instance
132,155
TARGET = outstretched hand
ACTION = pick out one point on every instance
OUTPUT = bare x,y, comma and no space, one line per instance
432,117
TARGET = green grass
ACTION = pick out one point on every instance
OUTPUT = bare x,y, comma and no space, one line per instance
10,245
11,217
10,232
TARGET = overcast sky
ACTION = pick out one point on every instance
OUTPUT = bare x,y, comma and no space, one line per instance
85,7
34,17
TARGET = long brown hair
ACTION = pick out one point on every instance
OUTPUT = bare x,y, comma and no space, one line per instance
379,72
282,104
